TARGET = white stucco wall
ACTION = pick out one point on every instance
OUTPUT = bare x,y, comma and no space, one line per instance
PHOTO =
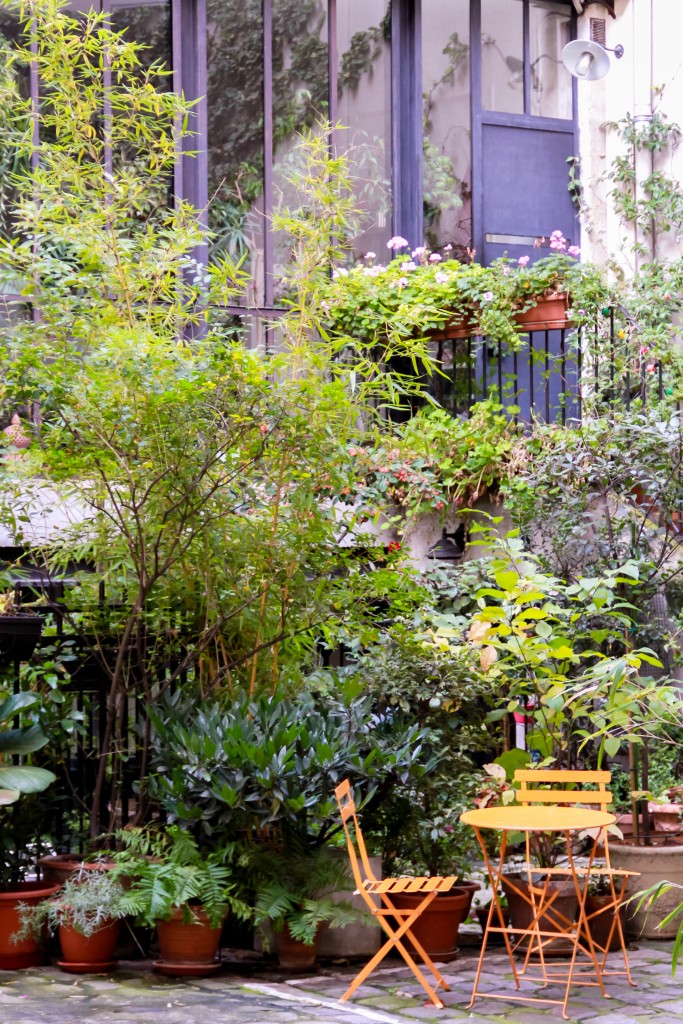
650,32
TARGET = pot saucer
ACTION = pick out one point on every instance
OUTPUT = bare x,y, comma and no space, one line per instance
73,967
189,970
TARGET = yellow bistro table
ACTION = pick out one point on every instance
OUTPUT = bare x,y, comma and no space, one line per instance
563,821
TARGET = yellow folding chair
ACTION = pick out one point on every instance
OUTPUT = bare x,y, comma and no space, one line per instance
536,786
396,923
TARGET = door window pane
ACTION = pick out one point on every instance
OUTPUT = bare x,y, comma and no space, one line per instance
447,171
551,83
502,56
364,109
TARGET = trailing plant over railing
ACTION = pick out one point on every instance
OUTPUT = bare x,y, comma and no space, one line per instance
420,292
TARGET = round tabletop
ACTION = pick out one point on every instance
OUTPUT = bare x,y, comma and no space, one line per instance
518,818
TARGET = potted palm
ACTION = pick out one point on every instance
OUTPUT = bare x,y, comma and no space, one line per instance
15,780
87,914
182,890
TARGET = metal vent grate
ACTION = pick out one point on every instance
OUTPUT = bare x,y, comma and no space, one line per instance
598,31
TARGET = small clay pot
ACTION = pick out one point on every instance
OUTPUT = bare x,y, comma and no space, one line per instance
194,943
95,949
294,955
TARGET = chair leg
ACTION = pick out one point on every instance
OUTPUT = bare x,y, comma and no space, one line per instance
394,940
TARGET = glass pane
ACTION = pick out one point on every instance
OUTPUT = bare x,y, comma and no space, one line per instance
234,42
149,25
447,170
10,161
300,99
364,108
502,56
551,83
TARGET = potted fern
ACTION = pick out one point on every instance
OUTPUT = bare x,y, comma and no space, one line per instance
294,898
87,914
182,890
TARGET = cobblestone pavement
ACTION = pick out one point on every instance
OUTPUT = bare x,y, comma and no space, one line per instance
135,995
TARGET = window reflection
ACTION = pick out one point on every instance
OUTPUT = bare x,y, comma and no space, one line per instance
149,25
234,41
551,83
10,161
364,108
502,56
300,100
447,172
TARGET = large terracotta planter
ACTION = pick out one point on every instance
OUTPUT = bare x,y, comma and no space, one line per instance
549,313
659,862
436,929
28,952
666,817
292,954
192,945
601,925
58,868
565,905
88,952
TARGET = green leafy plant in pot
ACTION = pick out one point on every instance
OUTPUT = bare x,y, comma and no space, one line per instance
184,891
15,780
294,897
86,913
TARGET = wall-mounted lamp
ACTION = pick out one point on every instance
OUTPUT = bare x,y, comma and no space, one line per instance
450,547
588,60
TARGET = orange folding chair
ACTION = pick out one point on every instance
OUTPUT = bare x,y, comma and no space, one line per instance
536,787
396,923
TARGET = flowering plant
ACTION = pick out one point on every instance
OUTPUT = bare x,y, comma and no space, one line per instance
420,292
518,284
434,462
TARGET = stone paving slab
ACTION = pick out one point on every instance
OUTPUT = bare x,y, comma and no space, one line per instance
135,995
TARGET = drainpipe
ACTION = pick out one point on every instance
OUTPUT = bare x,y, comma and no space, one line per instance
643,15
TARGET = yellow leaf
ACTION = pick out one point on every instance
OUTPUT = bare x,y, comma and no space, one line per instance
478,630
487,657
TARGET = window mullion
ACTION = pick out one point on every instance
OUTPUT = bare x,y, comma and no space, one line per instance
268,150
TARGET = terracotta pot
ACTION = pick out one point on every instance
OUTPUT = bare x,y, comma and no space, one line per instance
293,954
95,949
548,313
656,863
522,914
58,868
666,817
464,325
27,953
601,924
436,929
194,943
